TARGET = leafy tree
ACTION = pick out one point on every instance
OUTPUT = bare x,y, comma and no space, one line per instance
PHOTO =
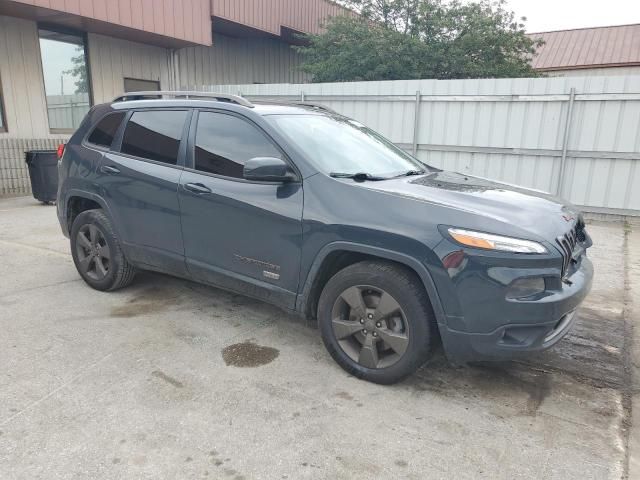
79,71
409,39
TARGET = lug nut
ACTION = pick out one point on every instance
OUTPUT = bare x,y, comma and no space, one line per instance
370,315
362,320
378,324
375,334
364,331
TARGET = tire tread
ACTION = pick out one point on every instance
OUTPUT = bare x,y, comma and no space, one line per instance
125,272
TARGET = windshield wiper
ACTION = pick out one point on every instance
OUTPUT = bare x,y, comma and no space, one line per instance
410,173
413,172
358,177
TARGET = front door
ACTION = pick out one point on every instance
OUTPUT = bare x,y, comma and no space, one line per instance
241,235
140,183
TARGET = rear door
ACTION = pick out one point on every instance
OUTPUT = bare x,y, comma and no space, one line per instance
139,181
238,234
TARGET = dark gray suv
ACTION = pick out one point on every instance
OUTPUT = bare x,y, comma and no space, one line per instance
312,211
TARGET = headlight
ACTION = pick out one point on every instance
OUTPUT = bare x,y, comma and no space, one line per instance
488,241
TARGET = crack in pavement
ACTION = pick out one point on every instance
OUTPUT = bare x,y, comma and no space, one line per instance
35,403
35,247
38,287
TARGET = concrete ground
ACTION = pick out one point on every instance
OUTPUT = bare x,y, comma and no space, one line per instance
134,384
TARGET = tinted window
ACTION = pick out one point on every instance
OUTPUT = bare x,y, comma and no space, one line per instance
66,79
224,144
154,135
105,131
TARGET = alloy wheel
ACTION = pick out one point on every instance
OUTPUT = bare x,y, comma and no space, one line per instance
94,255
370,326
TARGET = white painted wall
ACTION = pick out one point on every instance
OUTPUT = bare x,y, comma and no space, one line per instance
239,60
22,80
112,59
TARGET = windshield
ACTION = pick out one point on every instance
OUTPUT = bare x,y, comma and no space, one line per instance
338,145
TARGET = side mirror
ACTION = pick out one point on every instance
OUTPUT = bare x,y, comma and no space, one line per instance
268,169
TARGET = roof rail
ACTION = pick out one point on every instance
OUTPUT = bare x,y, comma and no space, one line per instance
224,97
318,106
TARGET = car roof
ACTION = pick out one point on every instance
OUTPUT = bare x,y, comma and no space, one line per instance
260,108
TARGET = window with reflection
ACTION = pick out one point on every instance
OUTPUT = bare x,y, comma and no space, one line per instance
224,143
66,79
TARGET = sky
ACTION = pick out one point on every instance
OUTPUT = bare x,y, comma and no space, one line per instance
546,15
56,59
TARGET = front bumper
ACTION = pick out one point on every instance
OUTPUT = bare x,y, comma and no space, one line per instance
549,319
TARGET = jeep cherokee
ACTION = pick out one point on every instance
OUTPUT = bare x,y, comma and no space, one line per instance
314,212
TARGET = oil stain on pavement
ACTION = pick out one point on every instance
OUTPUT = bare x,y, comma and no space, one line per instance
248,355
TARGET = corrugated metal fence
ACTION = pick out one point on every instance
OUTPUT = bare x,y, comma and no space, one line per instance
576,137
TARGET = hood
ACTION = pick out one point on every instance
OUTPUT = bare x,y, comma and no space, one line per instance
538,213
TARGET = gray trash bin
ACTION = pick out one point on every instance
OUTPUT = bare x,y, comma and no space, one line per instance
43,172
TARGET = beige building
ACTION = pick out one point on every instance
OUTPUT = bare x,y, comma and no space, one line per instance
59,57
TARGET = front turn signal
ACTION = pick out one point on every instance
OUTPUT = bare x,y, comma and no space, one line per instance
488,241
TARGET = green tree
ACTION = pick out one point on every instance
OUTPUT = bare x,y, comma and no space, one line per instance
410,39
79,71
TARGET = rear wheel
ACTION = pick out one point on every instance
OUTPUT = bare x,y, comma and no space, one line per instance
97,253
376,321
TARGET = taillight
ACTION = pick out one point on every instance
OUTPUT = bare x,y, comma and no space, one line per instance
60,151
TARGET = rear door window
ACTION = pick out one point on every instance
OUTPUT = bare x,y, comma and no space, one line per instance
155,135
105,131
224,143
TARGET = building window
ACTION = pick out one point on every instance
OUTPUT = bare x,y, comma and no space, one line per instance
66,79
138,85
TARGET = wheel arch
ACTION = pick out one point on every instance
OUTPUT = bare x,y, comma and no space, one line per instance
337,255
77,201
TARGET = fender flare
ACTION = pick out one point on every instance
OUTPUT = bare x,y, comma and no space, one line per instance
89,196
406,260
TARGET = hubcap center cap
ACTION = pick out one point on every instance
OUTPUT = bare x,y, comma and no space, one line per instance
370,326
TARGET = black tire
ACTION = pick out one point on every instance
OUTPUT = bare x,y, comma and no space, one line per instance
116,272
414,320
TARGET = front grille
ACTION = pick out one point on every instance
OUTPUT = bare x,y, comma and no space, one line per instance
568,243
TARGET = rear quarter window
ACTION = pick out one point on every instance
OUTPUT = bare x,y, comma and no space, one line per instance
105,131
155,135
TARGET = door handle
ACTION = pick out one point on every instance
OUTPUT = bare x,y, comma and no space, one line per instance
197,188
109,170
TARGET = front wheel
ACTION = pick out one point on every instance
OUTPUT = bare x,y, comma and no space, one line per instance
376,321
